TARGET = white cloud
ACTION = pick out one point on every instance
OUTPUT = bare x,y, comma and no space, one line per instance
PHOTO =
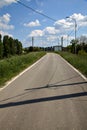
33,23
84,35
5,33
36,33
52,38
4,22
68,23
50,30
61,28
63,24
5,18
6,2
78,17
46,31
6,27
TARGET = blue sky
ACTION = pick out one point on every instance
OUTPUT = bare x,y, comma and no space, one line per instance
22,23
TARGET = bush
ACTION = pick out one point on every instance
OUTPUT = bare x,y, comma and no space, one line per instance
82,52
78,61
12,66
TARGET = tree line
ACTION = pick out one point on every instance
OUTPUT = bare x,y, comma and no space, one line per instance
78,46
9,46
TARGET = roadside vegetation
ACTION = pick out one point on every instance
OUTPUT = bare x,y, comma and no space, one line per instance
12,66
76,54
78,61
9,47
14,58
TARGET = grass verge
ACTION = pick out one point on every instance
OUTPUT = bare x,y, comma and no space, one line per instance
78,61
10,67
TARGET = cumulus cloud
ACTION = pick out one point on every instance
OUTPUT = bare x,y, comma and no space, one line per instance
5,18
46,31
52,38
5,33
36,33
6,2
68,23
63,24
32,24
61,28
4,22
50,30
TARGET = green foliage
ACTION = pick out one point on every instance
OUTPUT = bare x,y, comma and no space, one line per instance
6,46
1,50
78,61
1,47
9,46
18,47
82,52
32,49
12,66
76,46
73,47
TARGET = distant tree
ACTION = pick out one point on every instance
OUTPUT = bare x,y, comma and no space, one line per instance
0,37
18,47
1,47
30,49
6,47
11,46
85,48
74,46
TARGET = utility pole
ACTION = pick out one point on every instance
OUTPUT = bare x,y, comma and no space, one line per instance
67,40
32,41
75,27
62,43
58,41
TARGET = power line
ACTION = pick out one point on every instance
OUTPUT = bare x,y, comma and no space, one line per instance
73,31
30,8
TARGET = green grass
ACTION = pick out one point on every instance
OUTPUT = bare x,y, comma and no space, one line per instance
78,61
10,67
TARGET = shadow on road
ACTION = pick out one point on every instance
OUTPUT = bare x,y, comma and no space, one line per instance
57,85
44,99
84,93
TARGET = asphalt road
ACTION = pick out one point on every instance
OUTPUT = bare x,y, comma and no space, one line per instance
49,96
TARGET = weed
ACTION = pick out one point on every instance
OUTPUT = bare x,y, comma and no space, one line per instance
12,66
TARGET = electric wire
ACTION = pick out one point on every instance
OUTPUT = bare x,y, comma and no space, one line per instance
44,15
30,8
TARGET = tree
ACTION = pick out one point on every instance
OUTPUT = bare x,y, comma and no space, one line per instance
74,46
0,37
6,46
1,47
18,47
11,46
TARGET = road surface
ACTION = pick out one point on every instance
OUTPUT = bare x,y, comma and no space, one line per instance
49,96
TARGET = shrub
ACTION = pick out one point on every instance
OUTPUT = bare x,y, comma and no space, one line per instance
82,52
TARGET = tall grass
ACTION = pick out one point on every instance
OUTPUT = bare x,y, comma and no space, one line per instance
14,65
78,61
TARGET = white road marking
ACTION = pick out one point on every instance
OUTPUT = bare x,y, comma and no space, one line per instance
9,82
75,69
13,79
